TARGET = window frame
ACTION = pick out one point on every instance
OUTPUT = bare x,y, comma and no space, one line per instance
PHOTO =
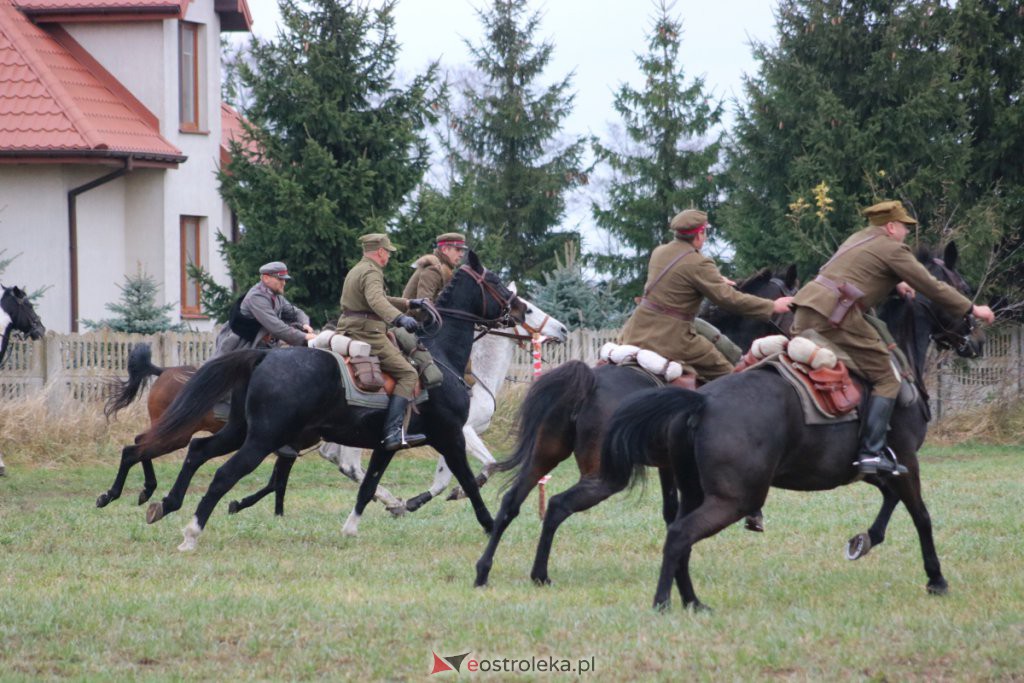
194,224
189,32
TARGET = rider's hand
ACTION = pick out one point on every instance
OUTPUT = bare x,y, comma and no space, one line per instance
407,322
905,291
983,313
416,303
781,305
309,329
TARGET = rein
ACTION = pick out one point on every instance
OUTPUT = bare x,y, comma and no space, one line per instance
504,319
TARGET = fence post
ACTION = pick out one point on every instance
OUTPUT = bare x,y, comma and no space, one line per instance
53,380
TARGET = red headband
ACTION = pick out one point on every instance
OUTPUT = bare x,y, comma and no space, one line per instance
691,231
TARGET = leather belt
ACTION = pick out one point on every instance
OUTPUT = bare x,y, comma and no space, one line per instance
665,310
361,314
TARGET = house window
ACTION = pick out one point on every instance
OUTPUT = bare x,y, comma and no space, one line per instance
191,252
191,82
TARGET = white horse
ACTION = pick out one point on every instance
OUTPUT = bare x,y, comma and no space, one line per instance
491,358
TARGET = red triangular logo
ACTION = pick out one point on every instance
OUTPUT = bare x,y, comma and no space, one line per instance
440,665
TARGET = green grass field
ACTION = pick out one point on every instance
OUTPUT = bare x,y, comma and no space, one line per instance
97,594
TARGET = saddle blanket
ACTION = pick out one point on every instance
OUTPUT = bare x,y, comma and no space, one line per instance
355,396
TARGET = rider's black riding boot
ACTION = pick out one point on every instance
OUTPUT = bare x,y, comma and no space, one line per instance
395,437
873,456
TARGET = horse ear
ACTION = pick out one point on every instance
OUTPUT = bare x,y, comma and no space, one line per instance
950,256
473,261
512,287
791,280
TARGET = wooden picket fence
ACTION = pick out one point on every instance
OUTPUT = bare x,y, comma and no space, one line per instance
80,366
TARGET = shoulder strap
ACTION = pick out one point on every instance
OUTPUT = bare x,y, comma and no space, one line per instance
650,288
843,250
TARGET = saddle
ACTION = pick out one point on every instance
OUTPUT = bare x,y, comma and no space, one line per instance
827,391
365,384
663,371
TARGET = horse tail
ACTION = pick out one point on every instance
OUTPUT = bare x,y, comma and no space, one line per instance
640,427
140,370
199,395
550,405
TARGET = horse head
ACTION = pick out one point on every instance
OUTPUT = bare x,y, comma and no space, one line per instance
766,284
23,318
490,303
960,334
536,321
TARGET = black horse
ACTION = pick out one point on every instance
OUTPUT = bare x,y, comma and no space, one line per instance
295,397
566,412
725,464
17,315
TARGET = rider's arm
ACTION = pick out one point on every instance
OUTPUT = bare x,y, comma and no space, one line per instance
906,266
387,307
708,281
262,309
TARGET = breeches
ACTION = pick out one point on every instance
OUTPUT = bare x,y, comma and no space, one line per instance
859,339
394,363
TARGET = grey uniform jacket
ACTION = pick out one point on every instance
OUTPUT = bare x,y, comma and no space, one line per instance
275,315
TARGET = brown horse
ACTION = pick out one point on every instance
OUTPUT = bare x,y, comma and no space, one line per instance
168,384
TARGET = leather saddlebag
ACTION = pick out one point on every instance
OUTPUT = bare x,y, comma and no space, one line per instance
367,373
838,391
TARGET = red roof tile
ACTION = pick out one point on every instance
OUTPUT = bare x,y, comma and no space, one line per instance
231,130
53,104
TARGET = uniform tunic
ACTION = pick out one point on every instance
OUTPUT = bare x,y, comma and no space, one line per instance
275,315
432,274
874,263
364,292
692,278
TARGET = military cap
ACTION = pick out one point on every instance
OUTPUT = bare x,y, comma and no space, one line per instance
884,212
689,222
452,239
376,240
277,269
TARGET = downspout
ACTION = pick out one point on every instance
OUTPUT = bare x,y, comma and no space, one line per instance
73,230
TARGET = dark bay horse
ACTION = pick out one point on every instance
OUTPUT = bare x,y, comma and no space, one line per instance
566,413
725,465
295,397
16,315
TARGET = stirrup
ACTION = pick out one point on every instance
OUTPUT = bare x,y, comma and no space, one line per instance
884,462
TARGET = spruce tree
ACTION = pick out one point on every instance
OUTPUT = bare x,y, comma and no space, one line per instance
507,148
569,296
339,146
137,311
854,104
666,162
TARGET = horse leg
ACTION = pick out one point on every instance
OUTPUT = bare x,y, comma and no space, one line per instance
379,461
584,494
285,465
129,456
199,451
247,459
476,446
455,457
149,485
908,487
509,510
711,516
274,485
3,468
442,477
859,546
349,462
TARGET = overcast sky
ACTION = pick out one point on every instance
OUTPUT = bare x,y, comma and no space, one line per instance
596,39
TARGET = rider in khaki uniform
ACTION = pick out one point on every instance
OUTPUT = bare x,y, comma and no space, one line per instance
434,271
678,279
366,313
873,261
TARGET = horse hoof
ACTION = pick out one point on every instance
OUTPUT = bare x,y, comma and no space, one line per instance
541,580
155,513
662,606
698,607
858,546
938,587
456,494
103,500
233,507
3,471
144,496
754,523
397,510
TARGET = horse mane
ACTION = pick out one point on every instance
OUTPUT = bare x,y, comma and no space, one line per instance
750,282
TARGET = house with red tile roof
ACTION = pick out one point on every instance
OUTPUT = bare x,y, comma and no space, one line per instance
112,129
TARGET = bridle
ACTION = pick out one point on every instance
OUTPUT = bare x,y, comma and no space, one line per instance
487,289
944,336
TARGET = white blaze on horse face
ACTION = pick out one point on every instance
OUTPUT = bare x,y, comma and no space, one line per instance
191,532
544,324
351,527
